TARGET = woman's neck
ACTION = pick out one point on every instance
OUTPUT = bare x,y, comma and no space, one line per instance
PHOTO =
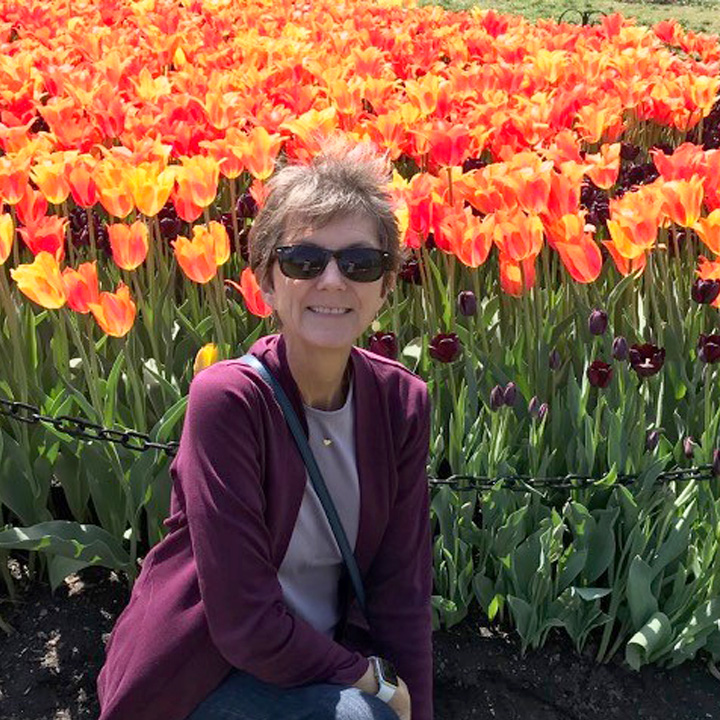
323,379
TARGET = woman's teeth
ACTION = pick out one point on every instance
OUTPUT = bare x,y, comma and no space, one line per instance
330,311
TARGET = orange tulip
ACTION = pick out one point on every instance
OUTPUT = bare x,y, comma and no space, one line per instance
250,290
634,221
47,235
227,152
181,199
712,180
308,129
518,236
13,178
32,207
516,278
564,196
469,237
389,132
50,177
129,244
447,142
81,287
682,200
578,251
626,265
198,178
41,281
604,166
7,236
221,240
113,188
114,312
150,187
708,229
82,184
260,151
196,257
687,160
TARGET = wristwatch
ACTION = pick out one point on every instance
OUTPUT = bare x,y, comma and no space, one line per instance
387,677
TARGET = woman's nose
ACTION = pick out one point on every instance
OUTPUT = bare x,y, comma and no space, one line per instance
331,275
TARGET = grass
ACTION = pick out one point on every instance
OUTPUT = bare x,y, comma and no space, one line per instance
698,15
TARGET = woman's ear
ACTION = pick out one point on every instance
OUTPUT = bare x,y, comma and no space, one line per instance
267,290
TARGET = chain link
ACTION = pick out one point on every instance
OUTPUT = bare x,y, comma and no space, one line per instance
84,429
140,442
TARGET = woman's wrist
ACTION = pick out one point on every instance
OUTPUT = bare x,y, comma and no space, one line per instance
368,682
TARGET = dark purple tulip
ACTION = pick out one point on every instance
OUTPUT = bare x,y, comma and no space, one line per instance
467,303
473,164
510,394
497,398
445,347
554,360
689,446
651,440
534,405
705,291
599,374
543,411
646,359
716,463
598,322
410,272
628,151
620,348
385,344
709,348
246,207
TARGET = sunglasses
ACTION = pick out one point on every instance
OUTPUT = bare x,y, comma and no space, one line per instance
359,264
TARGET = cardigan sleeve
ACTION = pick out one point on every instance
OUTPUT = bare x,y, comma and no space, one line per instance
400,578
219,469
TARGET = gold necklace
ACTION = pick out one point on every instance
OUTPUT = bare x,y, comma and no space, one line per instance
327,442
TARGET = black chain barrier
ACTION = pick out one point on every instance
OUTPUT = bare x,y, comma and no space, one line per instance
139,442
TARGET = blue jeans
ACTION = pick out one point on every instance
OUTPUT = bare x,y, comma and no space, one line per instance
241,696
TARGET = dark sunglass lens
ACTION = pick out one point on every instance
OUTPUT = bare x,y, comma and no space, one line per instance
301,262
362,264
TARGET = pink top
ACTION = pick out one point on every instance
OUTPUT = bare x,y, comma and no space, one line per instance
208,597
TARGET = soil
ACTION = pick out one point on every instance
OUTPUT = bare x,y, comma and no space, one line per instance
50,659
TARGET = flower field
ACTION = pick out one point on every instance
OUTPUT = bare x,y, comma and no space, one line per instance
558,189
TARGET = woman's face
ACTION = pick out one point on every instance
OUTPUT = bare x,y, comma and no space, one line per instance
293,300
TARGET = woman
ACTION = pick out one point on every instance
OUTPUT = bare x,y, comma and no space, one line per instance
242,611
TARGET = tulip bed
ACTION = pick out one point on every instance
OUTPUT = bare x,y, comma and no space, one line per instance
558,188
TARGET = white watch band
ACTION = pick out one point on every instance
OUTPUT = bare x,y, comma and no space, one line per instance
386,691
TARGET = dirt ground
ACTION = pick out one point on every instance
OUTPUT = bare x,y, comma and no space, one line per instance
50,661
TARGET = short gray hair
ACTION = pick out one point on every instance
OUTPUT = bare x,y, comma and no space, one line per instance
343,180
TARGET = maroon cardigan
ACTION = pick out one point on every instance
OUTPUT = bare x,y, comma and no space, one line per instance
208,597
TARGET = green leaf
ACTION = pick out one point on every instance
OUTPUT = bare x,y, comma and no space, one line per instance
601,544
60,567
87,543
413,349
645,641
589,594
643,604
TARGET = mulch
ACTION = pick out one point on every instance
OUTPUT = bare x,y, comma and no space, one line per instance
50,660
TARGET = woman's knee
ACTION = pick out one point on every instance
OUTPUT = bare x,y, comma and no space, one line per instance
357,705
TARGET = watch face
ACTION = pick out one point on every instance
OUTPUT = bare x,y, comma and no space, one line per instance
388,672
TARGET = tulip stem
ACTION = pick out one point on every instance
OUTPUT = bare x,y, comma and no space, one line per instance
91,234
233,215
15,335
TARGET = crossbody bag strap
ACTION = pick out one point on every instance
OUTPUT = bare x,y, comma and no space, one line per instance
315,476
